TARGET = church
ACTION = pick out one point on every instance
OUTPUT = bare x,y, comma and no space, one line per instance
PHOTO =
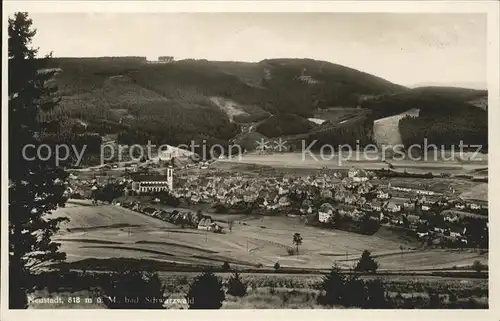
152,183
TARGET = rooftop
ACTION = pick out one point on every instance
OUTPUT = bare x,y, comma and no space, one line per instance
148,177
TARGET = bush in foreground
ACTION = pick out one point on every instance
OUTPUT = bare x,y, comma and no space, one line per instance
131,289
332,288
236,287
206,292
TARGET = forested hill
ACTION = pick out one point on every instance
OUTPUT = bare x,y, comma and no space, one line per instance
447,116
174,102
182,101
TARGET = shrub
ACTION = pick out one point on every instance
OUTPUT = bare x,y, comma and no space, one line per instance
478,266
366,263
221,209
276,266
290,251
434,300
236,287
225,266
332,287
130,289
206,292
376,295
452,297
354,294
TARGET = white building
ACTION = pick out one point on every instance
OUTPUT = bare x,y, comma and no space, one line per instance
325,213
147,183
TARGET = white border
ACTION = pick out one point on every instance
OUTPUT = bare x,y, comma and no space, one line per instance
489,7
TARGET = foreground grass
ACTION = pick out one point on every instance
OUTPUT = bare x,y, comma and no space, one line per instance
278,291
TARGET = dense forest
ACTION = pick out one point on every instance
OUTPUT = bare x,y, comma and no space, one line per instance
284,124
173,103
358,133
447,126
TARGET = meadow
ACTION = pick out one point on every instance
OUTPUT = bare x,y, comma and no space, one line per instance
110,231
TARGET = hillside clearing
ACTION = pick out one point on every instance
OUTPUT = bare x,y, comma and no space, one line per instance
386,130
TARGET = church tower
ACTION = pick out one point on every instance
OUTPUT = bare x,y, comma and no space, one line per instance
170,178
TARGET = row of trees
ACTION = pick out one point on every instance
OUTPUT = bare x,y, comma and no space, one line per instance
208,291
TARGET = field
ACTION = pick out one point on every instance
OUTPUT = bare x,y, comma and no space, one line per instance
345,160
438,185
479,192
386,130
113,232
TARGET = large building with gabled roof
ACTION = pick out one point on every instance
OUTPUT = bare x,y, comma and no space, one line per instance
152,183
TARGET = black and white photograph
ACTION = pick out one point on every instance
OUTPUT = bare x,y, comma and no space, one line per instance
246,160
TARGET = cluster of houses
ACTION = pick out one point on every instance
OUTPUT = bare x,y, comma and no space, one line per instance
352,195
182,218
276,193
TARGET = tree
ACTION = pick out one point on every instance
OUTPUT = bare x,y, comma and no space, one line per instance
434,300
109,192
206,292
376,295
36,187
236,287
366,263
355,293
478,266
225,266
297,240
131,289
332,287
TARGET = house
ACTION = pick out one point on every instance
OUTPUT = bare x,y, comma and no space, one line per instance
326,193
438,230
146,183
205,224
349,199
357,175
393,207
422,234
413,220
474,206
376,205
409,205
325,213
396,221
284,201
382,195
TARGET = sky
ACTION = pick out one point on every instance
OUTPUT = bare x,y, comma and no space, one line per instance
405,48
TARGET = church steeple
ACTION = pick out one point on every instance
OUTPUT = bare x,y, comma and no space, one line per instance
170,178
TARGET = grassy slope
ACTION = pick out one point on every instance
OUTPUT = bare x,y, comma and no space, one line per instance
114,232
